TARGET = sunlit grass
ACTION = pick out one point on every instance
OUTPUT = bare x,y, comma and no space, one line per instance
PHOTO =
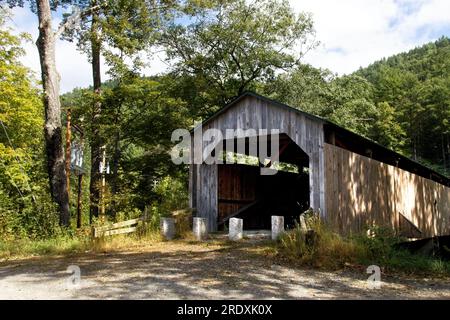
332,251
54,246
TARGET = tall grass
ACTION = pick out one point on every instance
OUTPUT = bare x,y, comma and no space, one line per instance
124,242
76,241
31,247
323,248
319,247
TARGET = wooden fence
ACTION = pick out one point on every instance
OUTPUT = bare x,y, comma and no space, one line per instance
116,228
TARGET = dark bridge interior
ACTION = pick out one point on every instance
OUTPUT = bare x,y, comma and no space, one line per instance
244,193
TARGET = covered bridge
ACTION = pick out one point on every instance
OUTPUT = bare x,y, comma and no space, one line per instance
352,181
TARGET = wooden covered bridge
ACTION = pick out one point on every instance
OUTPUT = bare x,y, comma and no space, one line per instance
352,181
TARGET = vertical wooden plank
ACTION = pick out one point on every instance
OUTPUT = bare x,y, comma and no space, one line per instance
342,190
328,184
336,194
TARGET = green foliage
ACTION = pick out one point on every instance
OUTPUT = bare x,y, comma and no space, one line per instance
402,102
138,121
172,194
58,244
379,243
26,209
306,88
121,28
345,100
235,44
416,85
386,130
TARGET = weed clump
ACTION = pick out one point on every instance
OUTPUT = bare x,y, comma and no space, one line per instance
314,243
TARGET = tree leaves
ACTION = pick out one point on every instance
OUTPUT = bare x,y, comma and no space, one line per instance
239,44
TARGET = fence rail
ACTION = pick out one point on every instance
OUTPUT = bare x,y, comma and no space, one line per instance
122,227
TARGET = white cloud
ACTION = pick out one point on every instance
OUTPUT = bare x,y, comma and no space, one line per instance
352,33
355,33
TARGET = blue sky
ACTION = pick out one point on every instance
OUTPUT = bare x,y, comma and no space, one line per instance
352,34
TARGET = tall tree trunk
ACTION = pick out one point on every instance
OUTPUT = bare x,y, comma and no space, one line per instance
53,127
68,151
96,142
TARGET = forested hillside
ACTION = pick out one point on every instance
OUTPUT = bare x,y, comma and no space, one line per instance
402,102
416,85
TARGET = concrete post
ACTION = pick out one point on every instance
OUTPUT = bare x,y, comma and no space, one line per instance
277,226
235,231
168,228
200,228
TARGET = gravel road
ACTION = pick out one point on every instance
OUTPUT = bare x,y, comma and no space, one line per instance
182,270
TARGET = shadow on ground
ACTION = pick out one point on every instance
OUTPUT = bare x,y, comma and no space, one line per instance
193,271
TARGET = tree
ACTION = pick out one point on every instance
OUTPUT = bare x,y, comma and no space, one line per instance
53,128
144,156
415,85
24,204
436,98
52,106
118,31
385,128
305,87
138,118
235,44
345,100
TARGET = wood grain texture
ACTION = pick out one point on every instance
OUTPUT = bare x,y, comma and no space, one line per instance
361,192
207,204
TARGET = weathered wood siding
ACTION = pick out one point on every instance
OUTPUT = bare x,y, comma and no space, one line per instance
361,191
206,194
192,186
254,113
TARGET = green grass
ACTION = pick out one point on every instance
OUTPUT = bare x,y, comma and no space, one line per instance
405,262
54,246
75,242
332,252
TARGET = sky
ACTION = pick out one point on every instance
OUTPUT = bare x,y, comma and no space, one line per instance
352,34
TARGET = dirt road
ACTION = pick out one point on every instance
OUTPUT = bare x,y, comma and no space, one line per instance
180,270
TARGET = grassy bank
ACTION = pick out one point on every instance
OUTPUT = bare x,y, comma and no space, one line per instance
26,247
72,244
322,248
73,241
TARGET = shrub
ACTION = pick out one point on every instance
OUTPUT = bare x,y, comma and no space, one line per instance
23,218
379,244
172,200
172,194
